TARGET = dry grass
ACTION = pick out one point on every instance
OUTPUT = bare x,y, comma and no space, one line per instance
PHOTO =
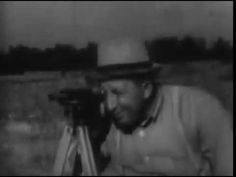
30,125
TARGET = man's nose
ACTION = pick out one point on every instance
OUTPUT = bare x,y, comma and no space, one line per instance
111,102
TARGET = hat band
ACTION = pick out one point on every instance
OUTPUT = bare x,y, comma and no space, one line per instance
123,67
133,70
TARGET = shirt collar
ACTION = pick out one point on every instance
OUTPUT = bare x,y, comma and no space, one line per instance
153,111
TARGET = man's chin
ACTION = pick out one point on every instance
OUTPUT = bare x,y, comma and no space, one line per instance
125,124
125,127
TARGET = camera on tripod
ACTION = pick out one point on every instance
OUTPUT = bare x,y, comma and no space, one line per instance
82,103
82,107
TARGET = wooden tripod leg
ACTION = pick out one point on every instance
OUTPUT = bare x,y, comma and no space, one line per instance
62,152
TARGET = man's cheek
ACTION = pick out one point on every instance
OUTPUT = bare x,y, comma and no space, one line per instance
129,113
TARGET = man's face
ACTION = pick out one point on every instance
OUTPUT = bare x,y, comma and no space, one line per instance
124,102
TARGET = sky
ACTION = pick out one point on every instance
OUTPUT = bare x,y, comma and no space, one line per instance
44,23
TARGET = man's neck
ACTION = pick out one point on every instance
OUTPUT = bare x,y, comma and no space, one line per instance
147,118
150,106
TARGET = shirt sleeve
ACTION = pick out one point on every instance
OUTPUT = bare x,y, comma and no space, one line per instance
113,168
216,134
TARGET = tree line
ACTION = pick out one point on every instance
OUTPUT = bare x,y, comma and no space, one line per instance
64,57
172,49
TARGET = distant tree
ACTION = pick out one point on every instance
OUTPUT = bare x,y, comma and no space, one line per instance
26,58
92,54
19,50
65,57
2,62
189,48
64,49
163,49
193,48
221,50
18,58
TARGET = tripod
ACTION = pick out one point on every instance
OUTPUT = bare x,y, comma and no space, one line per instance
75,154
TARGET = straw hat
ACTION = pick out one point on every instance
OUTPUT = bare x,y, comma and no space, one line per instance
123,58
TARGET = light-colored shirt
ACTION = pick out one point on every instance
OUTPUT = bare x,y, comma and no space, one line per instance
190,134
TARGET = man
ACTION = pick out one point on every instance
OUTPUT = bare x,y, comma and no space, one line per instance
159,129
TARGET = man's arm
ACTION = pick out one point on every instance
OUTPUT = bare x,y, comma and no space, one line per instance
216,134
112,168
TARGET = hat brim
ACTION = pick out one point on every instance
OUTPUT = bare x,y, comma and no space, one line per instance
134,70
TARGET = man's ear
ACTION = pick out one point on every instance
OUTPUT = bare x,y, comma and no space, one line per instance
148,89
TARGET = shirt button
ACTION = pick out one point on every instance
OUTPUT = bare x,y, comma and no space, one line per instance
141,133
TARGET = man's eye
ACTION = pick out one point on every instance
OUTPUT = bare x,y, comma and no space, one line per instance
102,91
117,92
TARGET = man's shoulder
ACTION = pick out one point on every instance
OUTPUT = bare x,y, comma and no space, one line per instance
186,91
193,97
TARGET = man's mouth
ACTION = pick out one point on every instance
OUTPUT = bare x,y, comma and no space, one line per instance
118,115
